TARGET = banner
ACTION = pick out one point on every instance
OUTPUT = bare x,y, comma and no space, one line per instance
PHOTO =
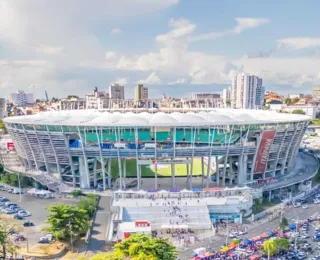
263,151
10,146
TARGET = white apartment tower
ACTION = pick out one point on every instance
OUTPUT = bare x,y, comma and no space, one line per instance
226,96
20,98
247,92
141,92
116,91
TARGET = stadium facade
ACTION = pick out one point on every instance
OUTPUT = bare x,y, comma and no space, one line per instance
241,146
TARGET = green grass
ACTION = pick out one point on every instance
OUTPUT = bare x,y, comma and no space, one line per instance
163,170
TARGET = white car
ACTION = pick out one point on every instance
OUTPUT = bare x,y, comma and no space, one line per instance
24,213
297,205
241,233
305,206
316,201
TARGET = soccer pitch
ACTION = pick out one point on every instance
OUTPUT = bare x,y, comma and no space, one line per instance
163,170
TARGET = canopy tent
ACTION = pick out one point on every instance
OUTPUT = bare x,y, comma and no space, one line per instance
163,191
32,191
257,238
271,233
264,235
254,257
142,192
200,250
293,226
186,191
247,242
182,226
120,191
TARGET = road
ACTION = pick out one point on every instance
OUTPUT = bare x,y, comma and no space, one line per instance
256,230
98,238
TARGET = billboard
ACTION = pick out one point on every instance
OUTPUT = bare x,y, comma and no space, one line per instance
263,151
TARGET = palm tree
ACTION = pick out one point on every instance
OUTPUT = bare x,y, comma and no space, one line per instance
283,223
270,247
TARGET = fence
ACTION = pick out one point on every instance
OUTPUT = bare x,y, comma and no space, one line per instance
89,232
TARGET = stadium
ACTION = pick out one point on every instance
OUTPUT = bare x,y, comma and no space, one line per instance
221,147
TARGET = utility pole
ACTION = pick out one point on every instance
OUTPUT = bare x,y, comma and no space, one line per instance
20,199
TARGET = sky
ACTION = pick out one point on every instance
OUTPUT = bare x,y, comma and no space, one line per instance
176,47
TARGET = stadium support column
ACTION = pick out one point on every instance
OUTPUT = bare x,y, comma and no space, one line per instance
192,158
119,158
83,164
102,161
70,157
188,173
217,171
173,166
208,171
226,158
202,170
109,172
124,172
155,158
137,158
95,172
30,147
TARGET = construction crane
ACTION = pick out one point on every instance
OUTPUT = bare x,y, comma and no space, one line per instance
46,95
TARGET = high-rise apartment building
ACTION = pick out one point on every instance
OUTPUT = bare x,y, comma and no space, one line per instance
116,91
247,92
204,96
316,93
226,97
20,98
141,92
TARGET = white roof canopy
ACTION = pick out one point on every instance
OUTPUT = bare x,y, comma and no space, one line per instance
158,119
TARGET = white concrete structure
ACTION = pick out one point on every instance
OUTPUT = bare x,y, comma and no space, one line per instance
97,100
3,112
296,95
20,98
125,229
71,104
226,96
247,92
116,91
204,96
310,110
141,92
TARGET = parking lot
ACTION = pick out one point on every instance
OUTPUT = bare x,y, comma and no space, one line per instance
37,208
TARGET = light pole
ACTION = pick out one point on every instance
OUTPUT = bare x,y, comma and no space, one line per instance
20,199
69,224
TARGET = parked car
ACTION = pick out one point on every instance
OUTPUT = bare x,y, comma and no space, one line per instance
17,216
24,213
28,224
132,184
46,239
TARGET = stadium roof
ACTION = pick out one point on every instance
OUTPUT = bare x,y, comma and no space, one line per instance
160,119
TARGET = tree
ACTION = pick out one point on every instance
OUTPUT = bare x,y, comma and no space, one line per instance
106,256
296,100
145,247
236,241
298,112
6,244
270,247
287,101
3,126
65,220
89,205
257,206
282,243
283,223
77,193
228,102
1,168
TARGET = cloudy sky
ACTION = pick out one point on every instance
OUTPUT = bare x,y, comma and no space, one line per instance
173,46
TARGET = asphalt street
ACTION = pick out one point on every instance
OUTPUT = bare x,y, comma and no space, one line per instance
256,229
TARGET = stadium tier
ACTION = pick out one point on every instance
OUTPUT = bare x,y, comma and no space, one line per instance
88,147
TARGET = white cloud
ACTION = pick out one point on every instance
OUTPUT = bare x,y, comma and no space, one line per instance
110,55
152,79
242,25
116,31
50,50
181,27
178,81
122,81
248,23
298,43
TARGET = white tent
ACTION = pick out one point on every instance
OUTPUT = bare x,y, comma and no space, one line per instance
141,192
120,191
163,191
32,191
185,191
174,226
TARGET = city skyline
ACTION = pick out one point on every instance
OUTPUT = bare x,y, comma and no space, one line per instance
185,47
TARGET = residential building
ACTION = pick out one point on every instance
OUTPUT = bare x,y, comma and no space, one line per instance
272,96
316,93
20,98
309,109
204,96
247,92
141,92
71,104
3,112
116,91
226,96
97,100
296,95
